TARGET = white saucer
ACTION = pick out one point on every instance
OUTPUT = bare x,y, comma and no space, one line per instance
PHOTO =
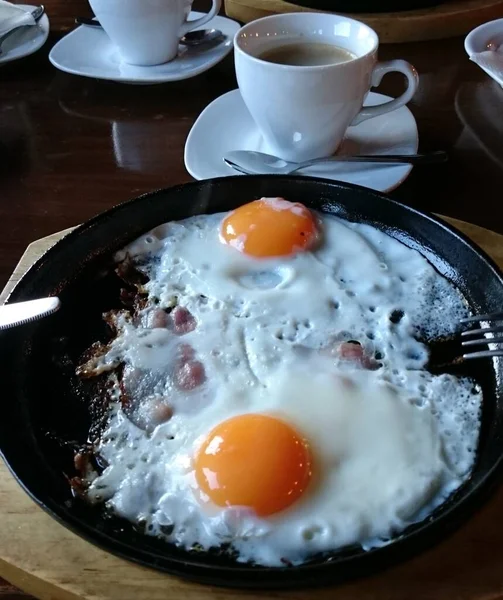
226,125
26,41
88,51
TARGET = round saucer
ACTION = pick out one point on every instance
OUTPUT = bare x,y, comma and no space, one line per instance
88,51
26,41
226,125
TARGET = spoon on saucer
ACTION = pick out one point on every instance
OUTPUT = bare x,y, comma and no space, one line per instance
258,163
202,36
191,38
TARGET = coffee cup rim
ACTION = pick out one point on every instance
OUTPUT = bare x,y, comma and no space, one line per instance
300,15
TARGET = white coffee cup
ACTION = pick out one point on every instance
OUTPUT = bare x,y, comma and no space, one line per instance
303,112
147,32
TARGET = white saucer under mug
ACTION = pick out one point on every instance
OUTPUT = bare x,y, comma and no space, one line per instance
226,125
88,51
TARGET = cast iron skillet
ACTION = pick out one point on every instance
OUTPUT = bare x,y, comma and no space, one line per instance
45,407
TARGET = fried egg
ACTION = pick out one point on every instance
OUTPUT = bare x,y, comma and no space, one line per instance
279,436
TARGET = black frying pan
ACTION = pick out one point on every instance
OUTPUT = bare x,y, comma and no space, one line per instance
45,408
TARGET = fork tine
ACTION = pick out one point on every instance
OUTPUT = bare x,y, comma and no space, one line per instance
483,330
483,354
488,317
497,340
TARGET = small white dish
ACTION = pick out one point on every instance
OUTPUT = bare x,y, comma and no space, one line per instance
26,41
480,45
88,51
226,125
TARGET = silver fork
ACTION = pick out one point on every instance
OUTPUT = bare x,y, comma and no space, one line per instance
480,335
36,13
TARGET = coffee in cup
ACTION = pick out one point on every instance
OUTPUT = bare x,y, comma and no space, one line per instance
307,54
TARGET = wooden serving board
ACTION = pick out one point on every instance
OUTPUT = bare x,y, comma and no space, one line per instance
43,558
449,19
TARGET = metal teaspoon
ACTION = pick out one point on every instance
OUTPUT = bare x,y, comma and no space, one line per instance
258,163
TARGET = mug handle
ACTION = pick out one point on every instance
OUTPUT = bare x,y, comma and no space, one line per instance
189,25
378,73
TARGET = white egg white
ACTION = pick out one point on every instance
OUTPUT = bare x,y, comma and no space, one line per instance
389,444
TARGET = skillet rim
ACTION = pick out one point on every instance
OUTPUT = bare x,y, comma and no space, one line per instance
110,212
403,547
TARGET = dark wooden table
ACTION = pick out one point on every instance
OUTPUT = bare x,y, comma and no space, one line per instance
59,166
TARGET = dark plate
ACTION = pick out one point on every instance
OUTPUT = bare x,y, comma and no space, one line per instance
45,408
367,6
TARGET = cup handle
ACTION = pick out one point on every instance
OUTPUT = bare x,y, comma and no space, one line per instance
189,25
377,74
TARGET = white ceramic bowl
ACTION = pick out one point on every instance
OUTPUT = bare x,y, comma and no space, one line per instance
480,40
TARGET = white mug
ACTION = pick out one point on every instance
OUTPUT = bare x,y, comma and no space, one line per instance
147,32
303,112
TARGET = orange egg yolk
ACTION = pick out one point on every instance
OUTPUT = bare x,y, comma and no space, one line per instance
256,461
270,227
